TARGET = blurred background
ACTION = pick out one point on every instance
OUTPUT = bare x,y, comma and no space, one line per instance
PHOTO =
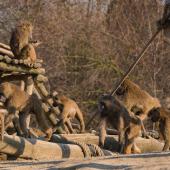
89,44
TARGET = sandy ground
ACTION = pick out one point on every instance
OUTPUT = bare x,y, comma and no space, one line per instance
152,161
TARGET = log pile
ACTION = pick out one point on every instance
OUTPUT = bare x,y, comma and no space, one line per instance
33,79
32,76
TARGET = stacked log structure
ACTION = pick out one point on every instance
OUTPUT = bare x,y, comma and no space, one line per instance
32,78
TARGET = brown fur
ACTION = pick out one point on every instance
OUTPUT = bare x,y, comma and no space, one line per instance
114,113
17,100
20,37
133,95
28,52
162,116
69,110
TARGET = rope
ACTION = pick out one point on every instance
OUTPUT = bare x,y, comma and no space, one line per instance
97,150
85,148
89,150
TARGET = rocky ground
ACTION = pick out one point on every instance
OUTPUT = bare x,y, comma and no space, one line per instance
152,161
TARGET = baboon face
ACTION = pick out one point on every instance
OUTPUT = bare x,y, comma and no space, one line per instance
57,102
27,27
136,110
106,105
154,114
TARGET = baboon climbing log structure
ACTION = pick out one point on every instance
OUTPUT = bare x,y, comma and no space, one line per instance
32,78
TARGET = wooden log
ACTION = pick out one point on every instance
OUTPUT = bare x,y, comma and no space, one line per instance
41,78
45,95
47,109
7,47
41,150
20,69
111,143
14,77
29,85
39,60
6,52
37,149
7,59
15,61
22,85
42,89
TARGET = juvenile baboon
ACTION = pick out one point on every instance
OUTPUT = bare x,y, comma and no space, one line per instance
20,37
129,126
28,52
69,110
17,100
162,116
133,95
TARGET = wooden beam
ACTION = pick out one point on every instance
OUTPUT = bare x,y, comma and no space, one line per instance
7,47
111,143
6,52
21,69
40,150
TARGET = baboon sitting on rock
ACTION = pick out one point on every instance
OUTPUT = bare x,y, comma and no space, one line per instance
20,43
20,37
129,126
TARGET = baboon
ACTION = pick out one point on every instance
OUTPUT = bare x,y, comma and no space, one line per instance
133,95
113,112
162,116
17,100
28,52
69,110
20,37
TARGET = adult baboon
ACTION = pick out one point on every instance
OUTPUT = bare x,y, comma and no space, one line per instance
17,100
69,110
162,116
20,37
129,126
133,95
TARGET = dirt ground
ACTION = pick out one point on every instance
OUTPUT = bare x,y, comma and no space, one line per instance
153,161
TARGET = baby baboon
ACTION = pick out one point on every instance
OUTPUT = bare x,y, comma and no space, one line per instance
20,37
129,126
25,104
162,116
69,110
133,95
28,52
